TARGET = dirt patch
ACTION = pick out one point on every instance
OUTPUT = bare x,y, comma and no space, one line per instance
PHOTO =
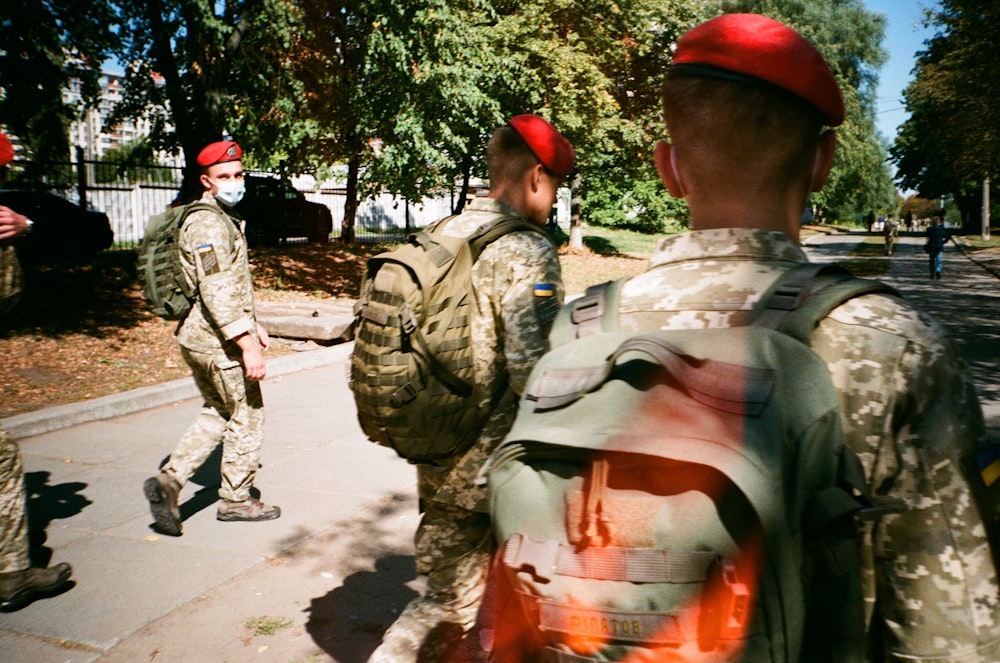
83,331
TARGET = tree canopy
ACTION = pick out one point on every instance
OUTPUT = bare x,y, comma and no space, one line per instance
951,141
405,94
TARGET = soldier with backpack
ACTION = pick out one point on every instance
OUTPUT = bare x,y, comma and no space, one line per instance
222,343
758,577
516,291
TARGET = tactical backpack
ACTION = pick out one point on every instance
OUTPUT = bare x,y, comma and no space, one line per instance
681,495
160,273
411,368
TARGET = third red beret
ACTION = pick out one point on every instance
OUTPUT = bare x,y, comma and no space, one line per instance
220,152
550,146
6,150
754,47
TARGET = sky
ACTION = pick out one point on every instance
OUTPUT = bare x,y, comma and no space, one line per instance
904,36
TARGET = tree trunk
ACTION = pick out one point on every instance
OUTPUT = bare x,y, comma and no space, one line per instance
575,218
466,177
347,234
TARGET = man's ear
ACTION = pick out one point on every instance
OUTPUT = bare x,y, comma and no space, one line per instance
826,147
666,166
535,177
206,183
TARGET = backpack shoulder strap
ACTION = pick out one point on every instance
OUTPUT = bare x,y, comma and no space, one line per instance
205,207
805,294
594,312
491,232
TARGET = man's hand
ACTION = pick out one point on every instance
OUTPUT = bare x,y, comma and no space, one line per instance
254,366
263,337
12,224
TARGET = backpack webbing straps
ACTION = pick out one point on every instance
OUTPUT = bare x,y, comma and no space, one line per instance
491,232
726,387
543,559
189,292
597,310
801,297
440,255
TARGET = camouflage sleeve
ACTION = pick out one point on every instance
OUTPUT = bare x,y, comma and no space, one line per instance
528,303
911,412
207,253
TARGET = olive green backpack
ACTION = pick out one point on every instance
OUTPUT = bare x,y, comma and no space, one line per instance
159,263
681,495
411,368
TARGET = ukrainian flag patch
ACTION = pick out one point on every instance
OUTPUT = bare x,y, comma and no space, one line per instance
545,290
988,460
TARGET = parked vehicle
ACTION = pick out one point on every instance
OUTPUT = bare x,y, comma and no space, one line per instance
62,230
276,211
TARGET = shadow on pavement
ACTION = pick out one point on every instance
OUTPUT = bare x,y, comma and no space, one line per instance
348,622
45,504
378,579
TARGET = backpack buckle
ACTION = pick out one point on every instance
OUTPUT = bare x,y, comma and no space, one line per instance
538,558
407,322
725,607
787,297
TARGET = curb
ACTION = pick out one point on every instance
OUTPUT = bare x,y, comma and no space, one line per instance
50,419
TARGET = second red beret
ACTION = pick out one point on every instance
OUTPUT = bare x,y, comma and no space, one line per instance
550,146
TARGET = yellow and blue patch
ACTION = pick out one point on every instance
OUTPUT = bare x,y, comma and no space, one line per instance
988,460
545,290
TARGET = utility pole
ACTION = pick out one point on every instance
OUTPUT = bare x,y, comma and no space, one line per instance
986,210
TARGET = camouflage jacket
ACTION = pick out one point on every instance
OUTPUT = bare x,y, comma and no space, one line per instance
908,408
219,270
518,291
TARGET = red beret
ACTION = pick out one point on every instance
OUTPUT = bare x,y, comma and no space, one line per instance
6,150
750,47
220,152
551,148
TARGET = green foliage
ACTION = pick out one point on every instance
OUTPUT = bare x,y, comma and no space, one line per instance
643,206
950,141
132,162
42,46
407,93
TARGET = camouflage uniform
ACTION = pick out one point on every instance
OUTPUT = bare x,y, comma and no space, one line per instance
13,521
514,310
908,409
233,412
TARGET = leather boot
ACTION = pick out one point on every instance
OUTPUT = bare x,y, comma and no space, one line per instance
162,491
251,510
19,588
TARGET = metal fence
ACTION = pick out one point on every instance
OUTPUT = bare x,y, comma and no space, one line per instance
130,195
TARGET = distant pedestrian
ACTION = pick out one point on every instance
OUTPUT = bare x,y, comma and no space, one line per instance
518,289
20,582
222,343
890,231
937,237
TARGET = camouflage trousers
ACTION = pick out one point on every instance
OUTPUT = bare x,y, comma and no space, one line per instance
453,549
233,415
13,520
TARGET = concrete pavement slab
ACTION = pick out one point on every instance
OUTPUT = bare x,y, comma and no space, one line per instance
87,506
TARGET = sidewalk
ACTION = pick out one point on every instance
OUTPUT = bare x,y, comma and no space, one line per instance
966,301
328,576
331,574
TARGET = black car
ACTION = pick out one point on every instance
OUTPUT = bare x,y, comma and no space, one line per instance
62,231
274,211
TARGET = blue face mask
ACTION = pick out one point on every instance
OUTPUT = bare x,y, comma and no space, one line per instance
230,192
